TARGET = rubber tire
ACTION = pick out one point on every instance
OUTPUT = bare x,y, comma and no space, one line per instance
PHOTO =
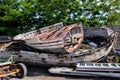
23,70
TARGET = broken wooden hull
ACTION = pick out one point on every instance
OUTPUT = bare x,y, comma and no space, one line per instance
64,39
93,48
48,59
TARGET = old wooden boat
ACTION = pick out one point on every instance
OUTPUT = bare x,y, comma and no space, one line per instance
43,47
55,38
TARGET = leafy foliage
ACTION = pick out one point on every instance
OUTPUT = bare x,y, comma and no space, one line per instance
17,16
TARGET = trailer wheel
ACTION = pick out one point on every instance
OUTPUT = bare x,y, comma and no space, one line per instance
23,70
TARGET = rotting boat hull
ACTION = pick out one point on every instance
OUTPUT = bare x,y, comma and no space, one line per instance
59,60
62,39
88,51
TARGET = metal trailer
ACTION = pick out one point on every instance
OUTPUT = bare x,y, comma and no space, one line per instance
90,69
7,68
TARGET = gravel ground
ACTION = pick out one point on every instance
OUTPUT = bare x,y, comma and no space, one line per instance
41,73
